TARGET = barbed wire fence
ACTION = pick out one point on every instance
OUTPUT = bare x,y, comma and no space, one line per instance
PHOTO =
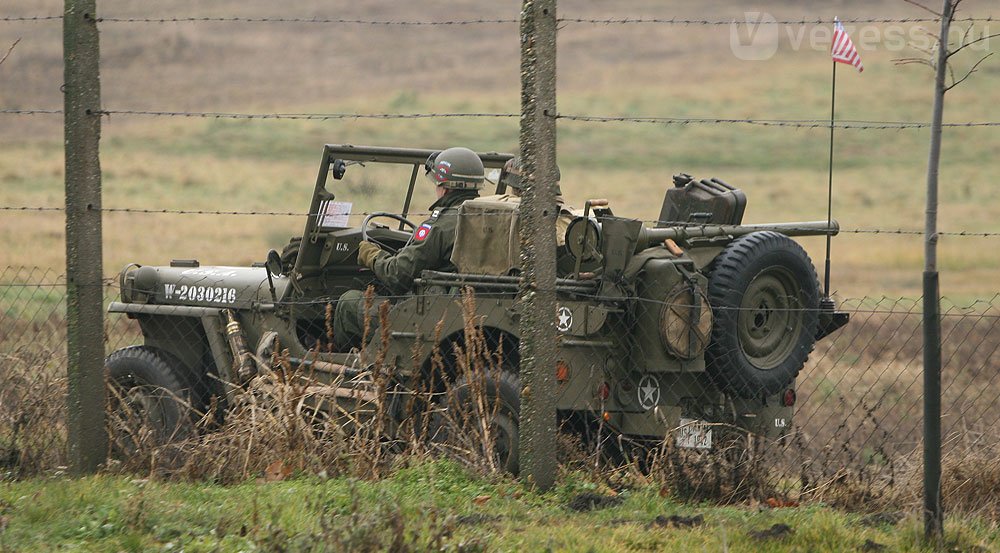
856,428
426,214
507,21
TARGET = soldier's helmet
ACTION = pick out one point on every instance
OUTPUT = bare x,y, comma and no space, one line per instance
512,175
456,169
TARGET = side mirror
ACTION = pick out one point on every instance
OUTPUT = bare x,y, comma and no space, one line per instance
339,169
273,266
273,263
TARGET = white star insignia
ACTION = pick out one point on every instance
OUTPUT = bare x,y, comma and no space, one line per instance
649,392
565,319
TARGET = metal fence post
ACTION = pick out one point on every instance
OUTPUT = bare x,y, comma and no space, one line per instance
84,287
538,242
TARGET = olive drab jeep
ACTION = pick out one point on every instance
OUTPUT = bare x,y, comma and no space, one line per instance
695,319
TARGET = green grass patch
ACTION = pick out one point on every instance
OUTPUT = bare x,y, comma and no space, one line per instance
428,506
32,301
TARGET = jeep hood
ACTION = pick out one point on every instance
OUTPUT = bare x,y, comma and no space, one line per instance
231,287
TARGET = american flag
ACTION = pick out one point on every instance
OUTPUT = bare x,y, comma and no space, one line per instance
843,49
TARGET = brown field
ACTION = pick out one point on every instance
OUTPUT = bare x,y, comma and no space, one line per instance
649,69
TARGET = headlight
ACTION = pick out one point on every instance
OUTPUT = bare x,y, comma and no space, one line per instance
137,283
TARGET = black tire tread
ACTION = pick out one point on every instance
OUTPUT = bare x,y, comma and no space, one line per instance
727,283
176,374
497,383
511,379
167,373
290,253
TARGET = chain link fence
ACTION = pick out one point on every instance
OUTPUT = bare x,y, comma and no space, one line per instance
661,373
634,385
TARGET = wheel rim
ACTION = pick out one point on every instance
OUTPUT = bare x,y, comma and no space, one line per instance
138,416
770,318
144,404
504,435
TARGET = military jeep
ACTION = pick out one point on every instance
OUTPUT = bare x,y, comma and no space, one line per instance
663,328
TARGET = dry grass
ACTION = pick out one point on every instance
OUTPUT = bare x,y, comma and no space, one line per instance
738,468
32,416
856,443
869,376
971,481
285,422
32,384
465,425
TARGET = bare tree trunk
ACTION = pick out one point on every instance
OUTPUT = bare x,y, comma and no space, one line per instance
933,512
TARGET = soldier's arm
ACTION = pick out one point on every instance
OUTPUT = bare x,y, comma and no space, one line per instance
398,271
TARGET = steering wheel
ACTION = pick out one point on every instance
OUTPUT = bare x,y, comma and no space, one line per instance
376,214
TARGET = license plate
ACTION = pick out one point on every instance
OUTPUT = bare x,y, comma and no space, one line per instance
694,434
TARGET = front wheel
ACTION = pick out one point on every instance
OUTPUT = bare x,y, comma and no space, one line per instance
150,399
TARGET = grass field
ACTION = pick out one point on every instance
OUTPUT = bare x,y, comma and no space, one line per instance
431,506
154,163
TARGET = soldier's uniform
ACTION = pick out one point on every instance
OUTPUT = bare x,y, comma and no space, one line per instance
429,249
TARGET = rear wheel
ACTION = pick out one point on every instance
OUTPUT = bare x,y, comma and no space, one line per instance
765,297
501,392
151,401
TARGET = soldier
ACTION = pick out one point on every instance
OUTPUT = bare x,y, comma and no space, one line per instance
511,177
458,174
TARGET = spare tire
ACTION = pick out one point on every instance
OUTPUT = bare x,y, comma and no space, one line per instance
765,298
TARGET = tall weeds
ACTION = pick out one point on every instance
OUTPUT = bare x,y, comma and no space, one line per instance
285,421
32,414
468,402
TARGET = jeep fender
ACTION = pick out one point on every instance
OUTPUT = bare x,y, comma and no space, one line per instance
164,326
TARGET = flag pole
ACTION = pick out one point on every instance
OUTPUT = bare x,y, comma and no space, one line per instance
829,191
